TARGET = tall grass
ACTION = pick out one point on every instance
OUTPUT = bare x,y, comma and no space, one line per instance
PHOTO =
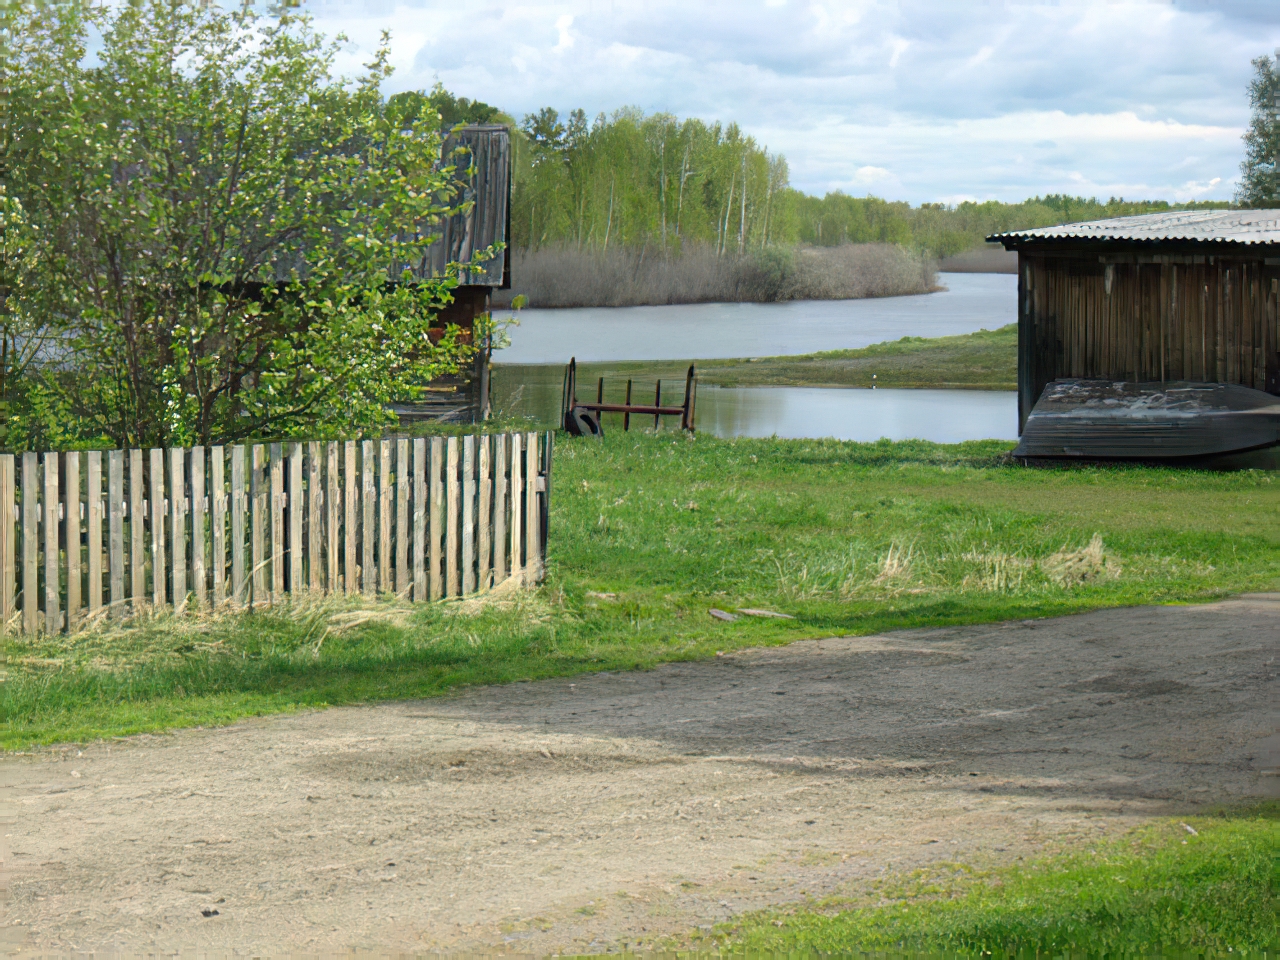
568,276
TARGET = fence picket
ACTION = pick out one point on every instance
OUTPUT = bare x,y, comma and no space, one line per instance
8,519
115,531
468,514
369,496
137,531
435,523
198,587
532,515
177,526
332,497
402,518
453,517
383,546
517,508
93,522
257,521
296,501
52,551
239,585
499,509
315,522
276,507
217,527
349,494
484,524
71,531
159,594
30,542
419,473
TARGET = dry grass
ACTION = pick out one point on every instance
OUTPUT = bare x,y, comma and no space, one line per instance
566,276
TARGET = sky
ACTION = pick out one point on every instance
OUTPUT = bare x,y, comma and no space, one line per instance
917,100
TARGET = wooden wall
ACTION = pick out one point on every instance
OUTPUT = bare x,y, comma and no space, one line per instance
462,397
1146,317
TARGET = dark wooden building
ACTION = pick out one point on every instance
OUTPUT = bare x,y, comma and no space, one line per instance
481,154
1187,296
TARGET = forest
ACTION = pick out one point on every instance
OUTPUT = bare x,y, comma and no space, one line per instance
656,182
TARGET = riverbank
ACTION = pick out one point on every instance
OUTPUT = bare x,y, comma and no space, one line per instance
986,360
569,276
648,533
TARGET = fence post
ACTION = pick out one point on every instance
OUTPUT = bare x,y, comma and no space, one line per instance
499,509
419,473
453,585
199,536
93,498
137,531
115,531
369,494
402,518
157,516
315,519
52,575
350,493
30,542
532,524
485,522
218,526
8,555
435,522
468,514
517,507
177,526
332,500
71,538
384,516
277,520
239,578
257,521
297,502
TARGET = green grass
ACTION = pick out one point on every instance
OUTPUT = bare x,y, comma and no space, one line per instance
848,538
1159,890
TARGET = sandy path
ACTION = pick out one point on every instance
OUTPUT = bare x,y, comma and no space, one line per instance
624,808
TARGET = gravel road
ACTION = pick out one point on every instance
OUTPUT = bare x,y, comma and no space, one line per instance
627,808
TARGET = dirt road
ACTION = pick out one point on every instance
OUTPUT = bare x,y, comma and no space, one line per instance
624,808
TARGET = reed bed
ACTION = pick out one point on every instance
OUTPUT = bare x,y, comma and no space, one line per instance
569,276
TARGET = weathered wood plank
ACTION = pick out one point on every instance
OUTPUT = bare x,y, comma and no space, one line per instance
52,551
532,516
468,514
198,586
296,506
315,518
258,505
403,473
159,568
369,496
436,522
177,525
453,497
484,495
93,525
137,531
277,520
115,531
239,579
548,458
383,546
419,473
218,526
8,552
332,501
71,538
30,542
517,508
499,509
350,536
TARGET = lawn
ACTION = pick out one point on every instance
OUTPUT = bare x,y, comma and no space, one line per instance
1194,886
648,533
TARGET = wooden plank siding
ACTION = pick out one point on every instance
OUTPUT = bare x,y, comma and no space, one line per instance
438,519
1146,318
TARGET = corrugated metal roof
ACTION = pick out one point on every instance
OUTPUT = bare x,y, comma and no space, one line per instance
1204,226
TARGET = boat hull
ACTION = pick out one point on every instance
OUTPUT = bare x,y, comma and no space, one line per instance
1119,420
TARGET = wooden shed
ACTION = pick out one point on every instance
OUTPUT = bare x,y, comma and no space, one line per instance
481,154
1190,298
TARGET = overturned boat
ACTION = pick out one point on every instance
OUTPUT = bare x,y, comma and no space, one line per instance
1119,420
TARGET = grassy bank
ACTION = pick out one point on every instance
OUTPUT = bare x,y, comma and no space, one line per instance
648,533
567,275
987,360
1161,888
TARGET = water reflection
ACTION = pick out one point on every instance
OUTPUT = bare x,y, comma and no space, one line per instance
943,416
971,302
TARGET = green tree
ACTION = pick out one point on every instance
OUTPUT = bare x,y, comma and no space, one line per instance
223,228
1260,183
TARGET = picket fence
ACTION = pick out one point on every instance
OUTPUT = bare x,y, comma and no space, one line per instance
241,526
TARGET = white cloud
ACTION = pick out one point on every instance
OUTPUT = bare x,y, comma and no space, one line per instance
984,100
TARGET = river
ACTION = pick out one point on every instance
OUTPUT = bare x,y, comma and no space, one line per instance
527,375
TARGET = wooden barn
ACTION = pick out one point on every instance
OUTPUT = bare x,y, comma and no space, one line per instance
1152,336
482,156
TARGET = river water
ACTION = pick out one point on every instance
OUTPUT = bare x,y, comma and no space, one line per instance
528,374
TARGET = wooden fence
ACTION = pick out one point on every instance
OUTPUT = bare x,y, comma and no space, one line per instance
106,533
